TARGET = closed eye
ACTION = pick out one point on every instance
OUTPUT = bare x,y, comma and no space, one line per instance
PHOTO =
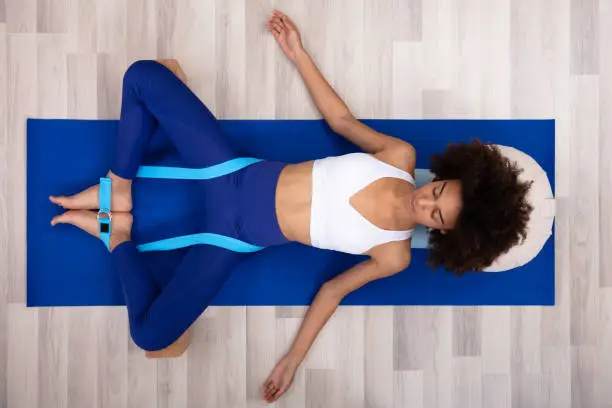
433,216
433,212
442,189
438,196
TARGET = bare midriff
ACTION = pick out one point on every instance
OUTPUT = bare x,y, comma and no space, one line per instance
293,201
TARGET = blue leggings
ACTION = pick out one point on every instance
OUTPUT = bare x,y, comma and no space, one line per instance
165,292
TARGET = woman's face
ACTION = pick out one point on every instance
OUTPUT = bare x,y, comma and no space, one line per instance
437,205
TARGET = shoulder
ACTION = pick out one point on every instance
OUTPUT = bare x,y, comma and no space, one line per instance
392,257
400,154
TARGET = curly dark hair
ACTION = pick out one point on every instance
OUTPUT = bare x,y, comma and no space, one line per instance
494,213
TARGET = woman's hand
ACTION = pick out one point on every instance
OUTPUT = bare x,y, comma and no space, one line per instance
280,380
286,34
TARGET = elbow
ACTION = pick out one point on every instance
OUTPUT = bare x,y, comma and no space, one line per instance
341,122
331,290
395,265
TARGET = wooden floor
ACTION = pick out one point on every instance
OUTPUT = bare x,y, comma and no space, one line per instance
389,59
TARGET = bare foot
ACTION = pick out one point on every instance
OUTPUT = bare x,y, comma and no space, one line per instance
174,66
88,199
121,227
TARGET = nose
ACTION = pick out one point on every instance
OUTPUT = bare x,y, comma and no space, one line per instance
424,203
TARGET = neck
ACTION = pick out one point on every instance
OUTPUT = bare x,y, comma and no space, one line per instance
403,213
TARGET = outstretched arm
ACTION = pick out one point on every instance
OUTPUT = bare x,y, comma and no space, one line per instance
332,107
396,258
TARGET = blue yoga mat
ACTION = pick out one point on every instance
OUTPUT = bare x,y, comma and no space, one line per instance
67,267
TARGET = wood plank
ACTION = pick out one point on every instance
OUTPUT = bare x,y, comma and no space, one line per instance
22,366
22,103
53,357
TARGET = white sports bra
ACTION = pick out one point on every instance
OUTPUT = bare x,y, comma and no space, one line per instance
334,223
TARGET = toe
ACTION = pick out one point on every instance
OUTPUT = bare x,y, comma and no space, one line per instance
61,219
56,200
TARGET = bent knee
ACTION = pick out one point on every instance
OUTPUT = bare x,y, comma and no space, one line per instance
150,341
140,69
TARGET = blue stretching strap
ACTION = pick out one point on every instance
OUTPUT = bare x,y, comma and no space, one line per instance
222,241
162,172
105,209
218,170
205,173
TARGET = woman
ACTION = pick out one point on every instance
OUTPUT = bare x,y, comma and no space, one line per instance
362,203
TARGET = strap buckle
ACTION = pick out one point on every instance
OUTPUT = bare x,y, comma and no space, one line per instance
105,211
105,215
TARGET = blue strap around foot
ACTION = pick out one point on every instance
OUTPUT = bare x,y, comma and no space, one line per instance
104,214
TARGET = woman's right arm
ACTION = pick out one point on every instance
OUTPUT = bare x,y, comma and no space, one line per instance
332,107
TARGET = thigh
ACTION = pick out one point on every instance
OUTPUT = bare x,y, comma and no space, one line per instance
186,295
161,308
198,150
185,120
163,264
